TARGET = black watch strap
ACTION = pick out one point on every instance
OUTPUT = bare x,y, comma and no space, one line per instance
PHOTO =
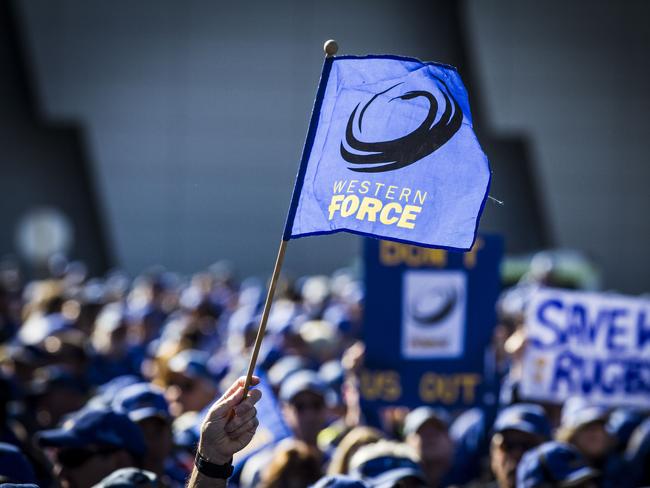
211,470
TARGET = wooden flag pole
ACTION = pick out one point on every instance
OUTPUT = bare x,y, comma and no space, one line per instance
265,314
330,47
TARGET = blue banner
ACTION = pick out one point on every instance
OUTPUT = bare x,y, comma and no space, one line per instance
391,154
429,318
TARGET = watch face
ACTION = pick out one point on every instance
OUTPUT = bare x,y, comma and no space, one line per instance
43,232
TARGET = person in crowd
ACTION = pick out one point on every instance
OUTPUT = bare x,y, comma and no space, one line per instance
114,355
637,456
303,404
53,393
303,396
293,463
349,445
555,465
91,445
145,405
621,425
426,431
191,386
517,429
388,464
584,426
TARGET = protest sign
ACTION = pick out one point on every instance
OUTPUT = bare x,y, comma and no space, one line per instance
429,317
593,345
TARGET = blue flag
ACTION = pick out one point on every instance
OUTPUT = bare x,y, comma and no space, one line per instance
391,154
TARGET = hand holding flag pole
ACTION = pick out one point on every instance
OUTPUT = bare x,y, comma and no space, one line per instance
330,47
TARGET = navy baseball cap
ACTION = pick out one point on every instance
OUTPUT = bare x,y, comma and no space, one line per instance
142,401
524,417
554,464
96,427
578,412
285,367
14,466
111,388
191,363
385,471
622,422
418,417
339,481
128,478
302,381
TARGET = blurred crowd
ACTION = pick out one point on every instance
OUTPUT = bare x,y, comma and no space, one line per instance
107,381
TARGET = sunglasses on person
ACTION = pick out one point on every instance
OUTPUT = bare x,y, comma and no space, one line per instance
516,445
73,457
185,386
303,405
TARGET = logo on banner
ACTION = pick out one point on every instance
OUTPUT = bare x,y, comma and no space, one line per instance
381,156
433,314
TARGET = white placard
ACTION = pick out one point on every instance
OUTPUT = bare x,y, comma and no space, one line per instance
433,314
593,345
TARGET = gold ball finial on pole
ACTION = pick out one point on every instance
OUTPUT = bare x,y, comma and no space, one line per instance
330,47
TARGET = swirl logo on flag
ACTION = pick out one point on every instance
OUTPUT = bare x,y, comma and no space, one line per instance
380,156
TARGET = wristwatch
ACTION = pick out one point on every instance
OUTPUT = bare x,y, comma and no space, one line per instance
211,470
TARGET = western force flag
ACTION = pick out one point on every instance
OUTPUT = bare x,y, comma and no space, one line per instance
391,154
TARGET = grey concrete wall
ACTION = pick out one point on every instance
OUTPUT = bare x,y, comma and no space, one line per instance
575,77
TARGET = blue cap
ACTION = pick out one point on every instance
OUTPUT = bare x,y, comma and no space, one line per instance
96,427
385,471
302,381
339,481
52,377
285,367
14,466
637,452
578,411
106,393
128,478
18,485
42,327
524,417
191,363
142,401
622,422
332,373
109,389
418,417
554,464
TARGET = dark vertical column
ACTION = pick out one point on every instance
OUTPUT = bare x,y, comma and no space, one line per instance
522,219
42,165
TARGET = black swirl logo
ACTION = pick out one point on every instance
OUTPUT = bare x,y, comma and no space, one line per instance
376,157
433,306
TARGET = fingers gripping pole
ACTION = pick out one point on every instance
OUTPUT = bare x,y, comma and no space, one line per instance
265,315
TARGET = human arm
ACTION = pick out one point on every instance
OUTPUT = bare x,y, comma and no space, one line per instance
227,428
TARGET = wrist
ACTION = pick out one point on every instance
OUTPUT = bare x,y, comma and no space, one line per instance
212,456
211,469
